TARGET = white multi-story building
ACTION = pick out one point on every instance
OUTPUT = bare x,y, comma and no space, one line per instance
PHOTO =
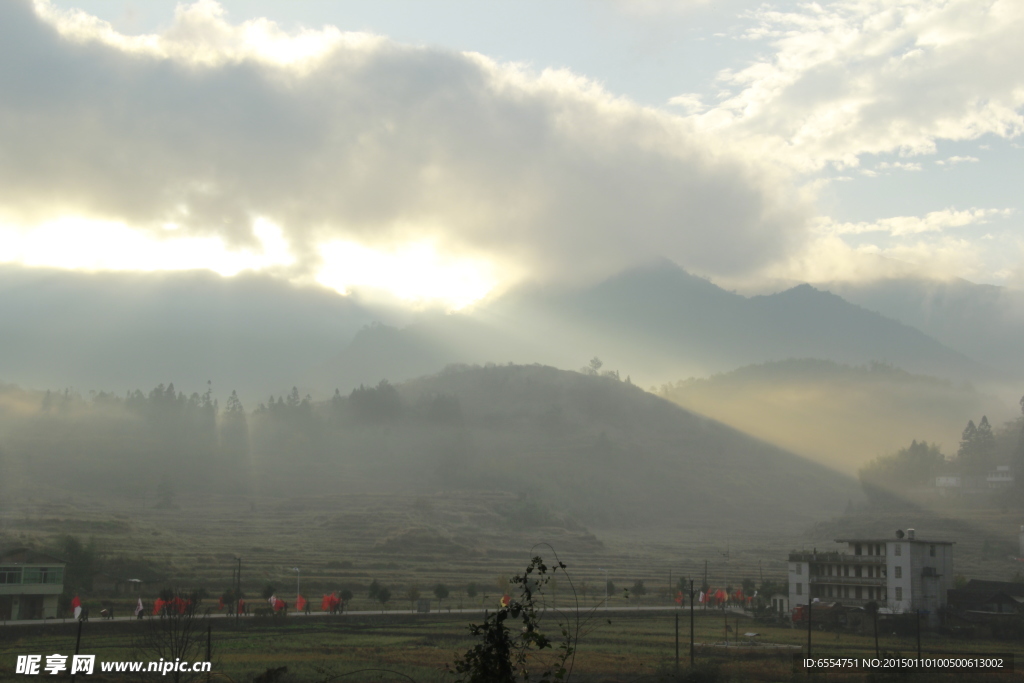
903,574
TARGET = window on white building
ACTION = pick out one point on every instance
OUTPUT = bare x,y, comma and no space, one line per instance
899,593
898,549
799,589
799,568
931,550
899,572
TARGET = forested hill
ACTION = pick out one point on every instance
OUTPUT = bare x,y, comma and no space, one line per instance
579,449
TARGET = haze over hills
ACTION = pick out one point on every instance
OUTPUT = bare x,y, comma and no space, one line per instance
579,449
839,414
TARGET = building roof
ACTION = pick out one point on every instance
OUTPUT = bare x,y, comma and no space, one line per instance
29,556
893,540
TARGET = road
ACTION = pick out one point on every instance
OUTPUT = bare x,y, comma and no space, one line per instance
370,613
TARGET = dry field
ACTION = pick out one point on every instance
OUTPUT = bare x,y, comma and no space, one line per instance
614,646
346,541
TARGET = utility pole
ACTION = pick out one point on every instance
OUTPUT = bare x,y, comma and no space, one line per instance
919,637
238,591
808,625
677,641
705,584
691,624
78,641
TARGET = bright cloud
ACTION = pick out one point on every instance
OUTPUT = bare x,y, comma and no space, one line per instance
202,36
857,77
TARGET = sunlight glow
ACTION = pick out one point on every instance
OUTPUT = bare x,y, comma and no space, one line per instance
414,272
85,244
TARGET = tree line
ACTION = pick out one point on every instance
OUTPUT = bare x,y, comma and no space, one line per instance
166,440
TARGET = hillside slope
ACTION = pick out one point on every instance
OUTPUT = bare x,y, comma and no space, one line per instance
610,453
576,449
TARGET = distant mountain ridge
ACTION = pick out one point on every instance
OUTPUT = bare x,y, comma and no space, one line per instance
256,334
985,322
655,323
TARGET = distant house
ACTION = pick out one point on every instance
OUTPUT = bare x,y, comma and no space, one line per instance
780,604
30,583
1000,478
991,597
971,484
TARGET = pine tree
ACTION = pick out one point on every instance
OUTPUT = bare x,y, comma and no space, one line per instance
986,442
967,453
234,432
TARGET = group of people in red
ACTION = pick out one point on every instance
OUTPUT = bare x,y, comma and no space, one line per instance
716,598
332,603
176,605
181,605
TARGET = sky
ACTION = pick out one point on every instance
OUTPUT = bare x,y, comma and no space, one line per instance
445,151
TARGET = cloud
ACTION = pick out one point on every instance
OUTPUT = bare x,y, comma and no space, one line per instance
953,161
941,244
352,138
857,77
935,221
899,166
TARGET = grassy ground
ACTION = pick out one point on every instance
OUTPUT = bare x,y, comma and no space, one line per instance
615,646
